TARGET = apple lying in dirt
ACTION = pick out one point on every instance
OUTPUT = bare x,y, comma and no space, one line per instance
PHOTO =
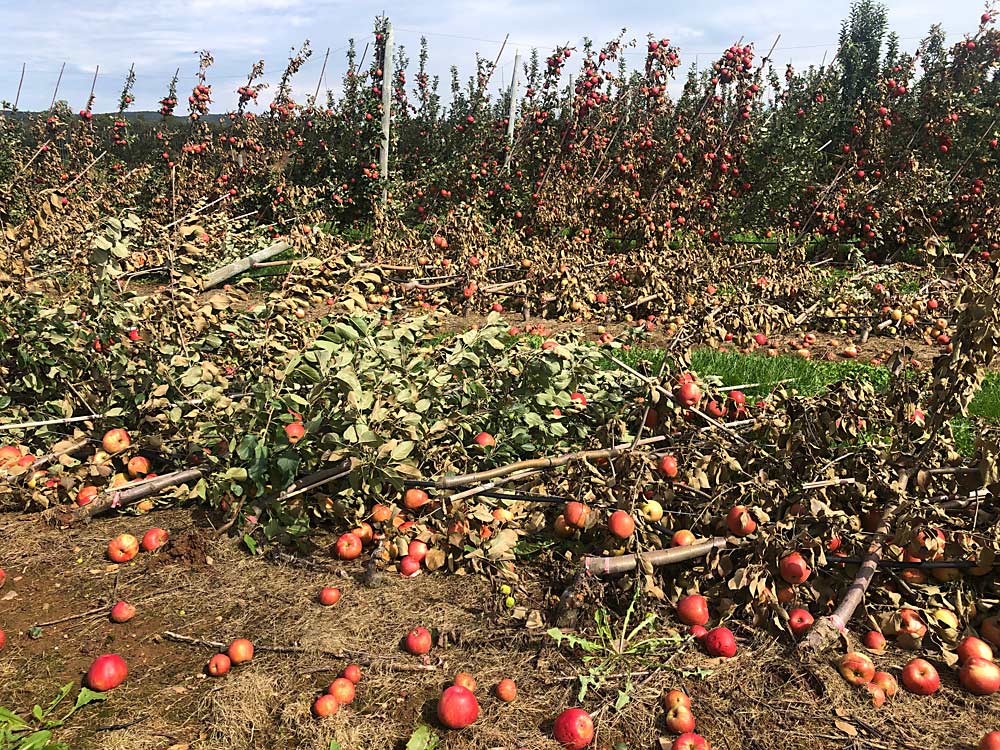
698,632
920,677
352,672
409,566
122,612
720,642
457,708
693,610
675,698
972,646
325,705
680,720
799,621
240,651
343,690
123,548
874,640
3,577
418,641
979,676
484,440
466,680
794,569
574,729
887,682
3,639
856,668
621,524
506,690
153,539
877,694
349,546
417,550
329,595
219,665
690,741
740,522
990,741
116,440
106,673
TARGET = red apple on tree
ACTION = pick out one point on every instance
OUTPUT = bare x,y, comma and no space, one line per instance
484,440
295,431
621,524
794,569
682,538
740,522
668,466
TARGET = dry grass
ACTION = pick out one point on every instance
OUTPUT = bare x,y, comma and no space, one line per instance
762,699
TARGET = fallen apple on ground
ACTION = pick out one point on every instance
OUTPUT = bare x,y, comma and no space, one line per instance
574,729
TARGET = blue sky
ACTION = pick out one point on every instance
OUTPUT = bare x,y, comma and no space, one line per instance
159,36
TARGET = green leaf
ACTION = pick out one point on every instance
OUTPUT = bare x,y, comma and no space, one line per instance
250,543
88,696
422,739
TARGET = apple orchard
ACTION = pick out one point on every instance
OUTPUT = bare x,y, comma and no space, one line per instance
664,415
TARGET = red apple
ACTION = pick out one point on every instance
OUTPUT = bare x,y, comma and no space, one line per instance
352,672
3,577
912,624
325,705
138,466
9,456
990,741
740,522
688,394
414,499
621,524
794,569
240,651
295,432
466,680
417,550
721,642
676,698
578,398
690,741
484,440
116,440
123,548
106,673
874,640
122,612
693,610
349,546
877,694
409,566
679,720
86,495
328,596
799,621
574,729
3,639
887,682
920,677
457,708
989,629
219,665
668,466
418,641
153,539
698,632
979,676
506,690
576,514
856,668
682,538
343,690
973,646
